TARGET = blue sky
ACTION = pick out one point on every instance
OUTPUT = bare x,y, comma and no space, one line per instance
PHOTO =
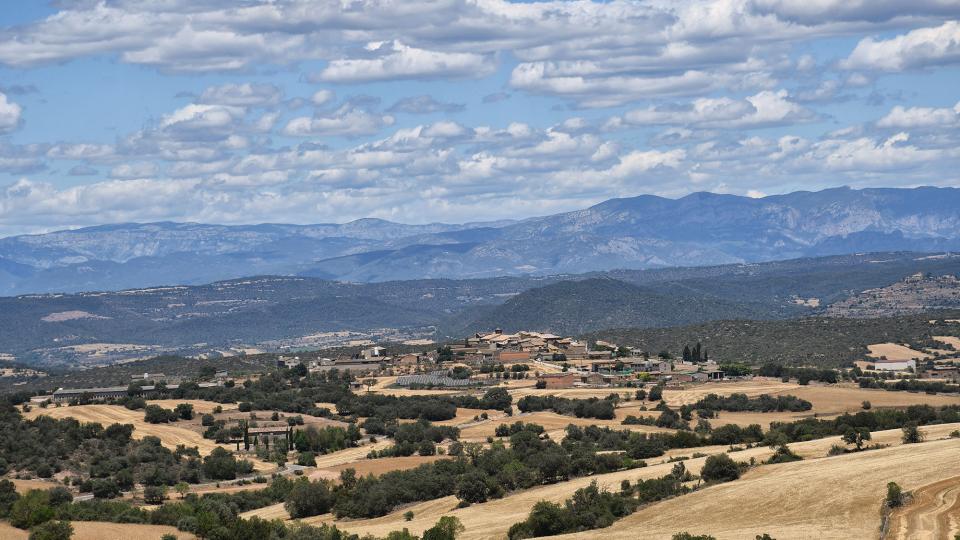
306,112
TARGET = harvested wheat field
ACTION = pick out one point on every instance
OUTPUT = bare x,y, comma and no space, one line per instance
96,530
950,340
836,497
274,511
834,399
932,514
752,388
377,466
895,351
170,435
350,455
550,421
492,519
23,486
199,406
764,419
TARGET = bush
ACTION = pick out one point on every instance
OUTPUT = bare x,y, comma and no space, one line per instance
783,454
156,414
105,488
306,459
720,468
52,530
184,411
207,420
31,509
894,495
912,434
154,494
447,528
688,536
8,496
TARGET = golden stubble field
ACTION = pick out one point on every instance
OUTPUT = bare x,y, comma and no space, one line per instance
170,435
95,530
492,519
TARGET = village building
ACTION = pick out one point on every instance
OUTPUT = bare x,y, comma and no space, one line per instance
553,381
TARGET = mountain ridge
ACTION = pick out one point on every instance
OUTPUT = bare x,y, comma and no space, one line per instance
639,232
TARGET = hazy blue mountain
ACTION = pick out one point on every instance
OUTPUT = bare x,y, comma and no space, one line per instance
631,233
44,328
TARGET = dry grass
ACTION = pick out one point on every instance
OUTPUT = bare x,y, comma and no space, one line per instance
752,388
550,421
23,486
376,466
492,519
199,406
838,399
170,435
837,497
274,511
95,530
933,513
895,351
950,340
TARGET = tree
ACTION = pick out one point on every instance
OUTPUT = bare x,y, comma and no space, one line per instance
105,488
656,393
856,436
182,488
31,509
308,498
156,414
220,465
408,515
154,494
8,496
472,487
912,434
720,468
369,383
447,528
306,459
52,530
184,411
207,420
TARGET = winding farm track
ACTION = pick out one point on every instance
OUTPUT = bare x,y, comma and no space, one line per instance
934,513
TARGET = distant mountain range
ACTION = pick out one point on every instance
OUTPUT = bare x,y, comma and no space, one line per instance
630,233
295,313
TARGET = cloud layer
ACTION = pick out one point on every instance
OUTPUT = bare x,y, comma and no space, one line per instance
474,109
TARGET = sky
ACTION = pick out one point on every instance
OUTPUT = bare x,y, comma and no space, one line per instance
253,111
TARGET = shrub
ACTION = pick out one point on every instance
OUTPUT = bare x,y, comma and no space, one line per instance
912,434
894,495
447,528
105,488
720,468
783,454
52,530
306,459
154,494
31,509
688,536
